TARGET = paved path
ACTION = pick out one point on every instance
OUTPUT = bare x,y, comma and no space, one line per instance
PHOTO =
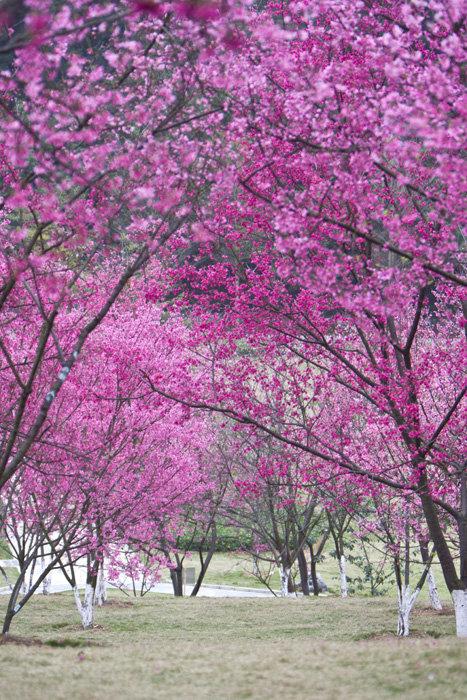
58,584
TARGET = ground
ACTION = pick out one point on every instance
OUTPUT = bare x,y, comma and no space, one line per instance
221,649
233,569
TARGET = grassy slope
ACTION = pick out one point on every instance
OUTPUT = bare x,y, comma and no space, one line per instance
224,648
4,550
235,570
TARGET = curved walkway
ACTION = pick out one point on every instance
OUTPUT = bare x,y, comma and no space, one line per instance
59,584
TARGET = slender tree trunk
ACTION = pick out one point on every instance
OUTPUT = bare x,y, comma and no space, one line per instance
31,575
343,576
437,536
176,576
205,562
432,588
13,606
456,585
24,583
314,575
77,597
433,591
406,598
101,587
338,537
87,608
303,568
406,602
46,582
284,574
459,597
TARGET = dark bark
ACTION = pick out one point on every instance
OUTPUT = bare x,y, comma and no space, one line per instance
314,577
423,545
437,535
205,561
303,568
462,527
176,576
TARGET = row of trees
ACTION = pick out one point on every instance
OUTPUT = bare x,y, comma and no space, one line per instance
250,211
127,526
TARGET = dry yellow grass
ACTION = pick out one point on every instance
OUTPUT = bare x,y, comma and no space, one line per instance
160,647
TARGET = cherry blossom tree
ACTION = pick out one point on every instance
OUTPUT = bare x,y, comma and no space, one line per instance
341,244
110,139
121,459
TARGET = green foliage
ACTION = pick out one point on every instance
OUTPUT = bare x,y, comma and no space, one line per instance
229,539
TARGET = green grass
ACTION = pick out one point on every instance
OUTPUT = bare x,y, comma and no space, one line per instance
231,569
11,574
4,550
227,569
161,647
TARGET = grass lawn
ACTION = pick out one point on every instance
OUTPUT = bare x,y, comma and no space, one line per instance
161,647
233,569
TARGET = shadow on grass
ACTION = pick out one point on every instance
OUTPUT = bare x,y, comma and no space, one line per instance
388,635
54,643
69,642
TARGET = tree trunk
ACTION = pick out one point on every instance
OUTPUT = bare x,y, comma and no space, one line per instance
7,622
314,575
432,588
303,568
205,562
13,606
24,584
433,591
406,603
176,576
437,535
101,587
46,581
85,608
343,576
459,598
459,593
77,599
284,574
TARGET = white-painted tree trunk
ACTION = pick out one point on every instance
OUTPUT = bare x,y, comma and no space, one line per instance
459,598
343,576
46,581
433,590
24,586
85,608
284,573
27,580
406,602
31,576
101,587
77,599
